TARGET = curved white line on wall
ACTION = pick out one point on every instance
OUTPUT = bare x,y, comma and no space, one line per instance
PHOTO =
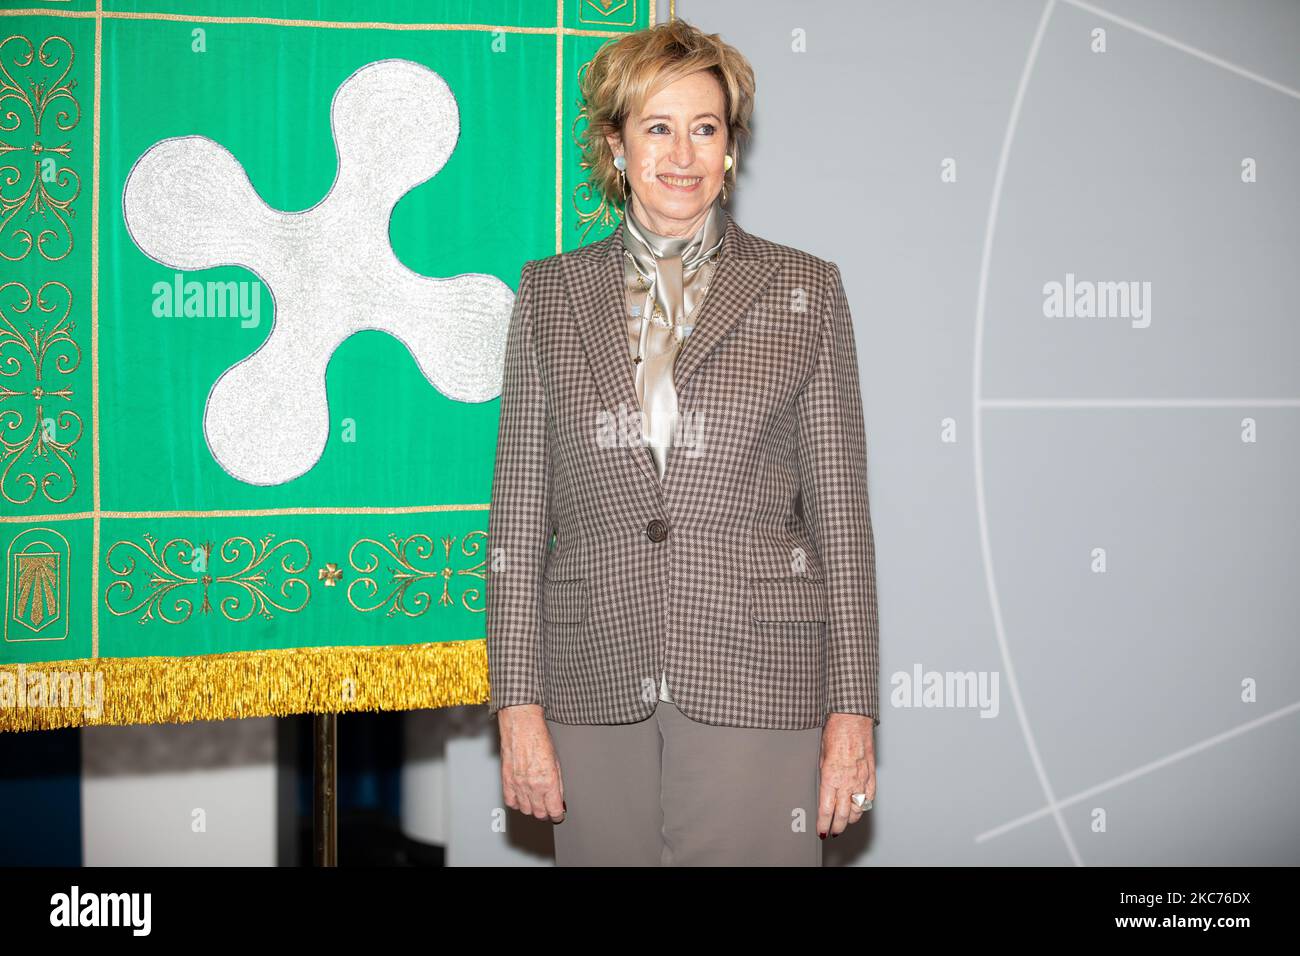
999,629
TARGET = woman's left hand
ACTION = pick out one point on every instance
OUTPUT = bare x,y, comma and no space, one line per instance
848,766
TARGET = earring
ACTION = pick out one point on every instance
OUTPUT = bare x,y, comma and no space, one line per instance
620,163
727,161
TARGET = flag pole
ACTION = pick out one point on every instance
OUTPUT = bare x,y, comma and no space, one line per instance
324,802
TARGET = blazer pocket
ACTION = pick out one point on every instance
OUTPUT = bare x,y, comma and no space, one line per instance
788,599
564,602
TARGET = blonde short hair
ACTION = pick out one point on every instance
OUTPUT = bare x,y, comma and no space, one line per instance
626,72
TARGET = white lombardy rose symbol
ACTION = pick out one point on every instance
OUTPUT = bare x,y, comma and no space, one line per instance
330,269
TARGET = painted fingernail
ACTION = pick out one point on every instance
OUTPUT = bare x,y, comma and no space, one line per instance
822,835
565,804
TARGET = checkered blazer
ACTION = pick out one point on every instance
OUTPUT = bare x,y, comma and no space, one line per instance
749,572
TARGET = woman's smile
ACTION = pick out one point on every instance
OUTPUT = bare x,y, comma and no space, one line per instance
682,183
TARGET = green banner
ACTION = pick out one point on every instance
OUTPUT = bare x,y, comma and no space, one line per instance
257,262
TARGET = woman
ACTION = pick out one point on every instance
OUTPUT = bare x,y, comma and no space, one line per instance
688,676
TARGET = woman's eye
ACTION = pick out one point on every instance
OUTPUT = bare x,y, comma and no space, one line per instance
707,129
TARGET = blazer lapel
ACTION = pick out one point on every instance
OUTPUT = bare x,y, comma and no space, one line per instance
742,273
596,288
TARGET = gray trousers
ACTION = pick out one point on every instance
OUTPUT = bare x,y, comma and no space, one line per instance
671,791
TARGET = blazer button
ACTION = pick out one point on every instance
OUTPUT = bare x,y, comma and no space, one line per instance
656,530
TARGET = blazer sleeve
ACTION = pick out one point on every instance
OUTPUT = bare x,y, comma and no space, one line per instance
518,526
831,449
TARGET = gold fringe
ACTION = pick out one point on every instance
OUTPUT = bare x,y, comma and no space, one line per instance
160,690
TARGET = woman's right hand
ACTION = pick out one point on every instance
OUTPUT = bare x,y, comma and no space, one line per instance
530,768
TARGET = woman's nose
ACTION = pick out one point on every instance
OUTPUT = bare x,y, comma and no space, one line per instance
683,152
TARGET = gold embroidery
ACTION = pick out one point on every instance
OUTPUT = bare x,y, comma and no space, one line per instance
36,597
250,581
47,439
606,214
405,576
37,96
606,13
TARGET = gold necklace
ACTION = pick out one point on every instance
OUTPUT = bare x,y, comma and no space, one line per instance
678,338
657,314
